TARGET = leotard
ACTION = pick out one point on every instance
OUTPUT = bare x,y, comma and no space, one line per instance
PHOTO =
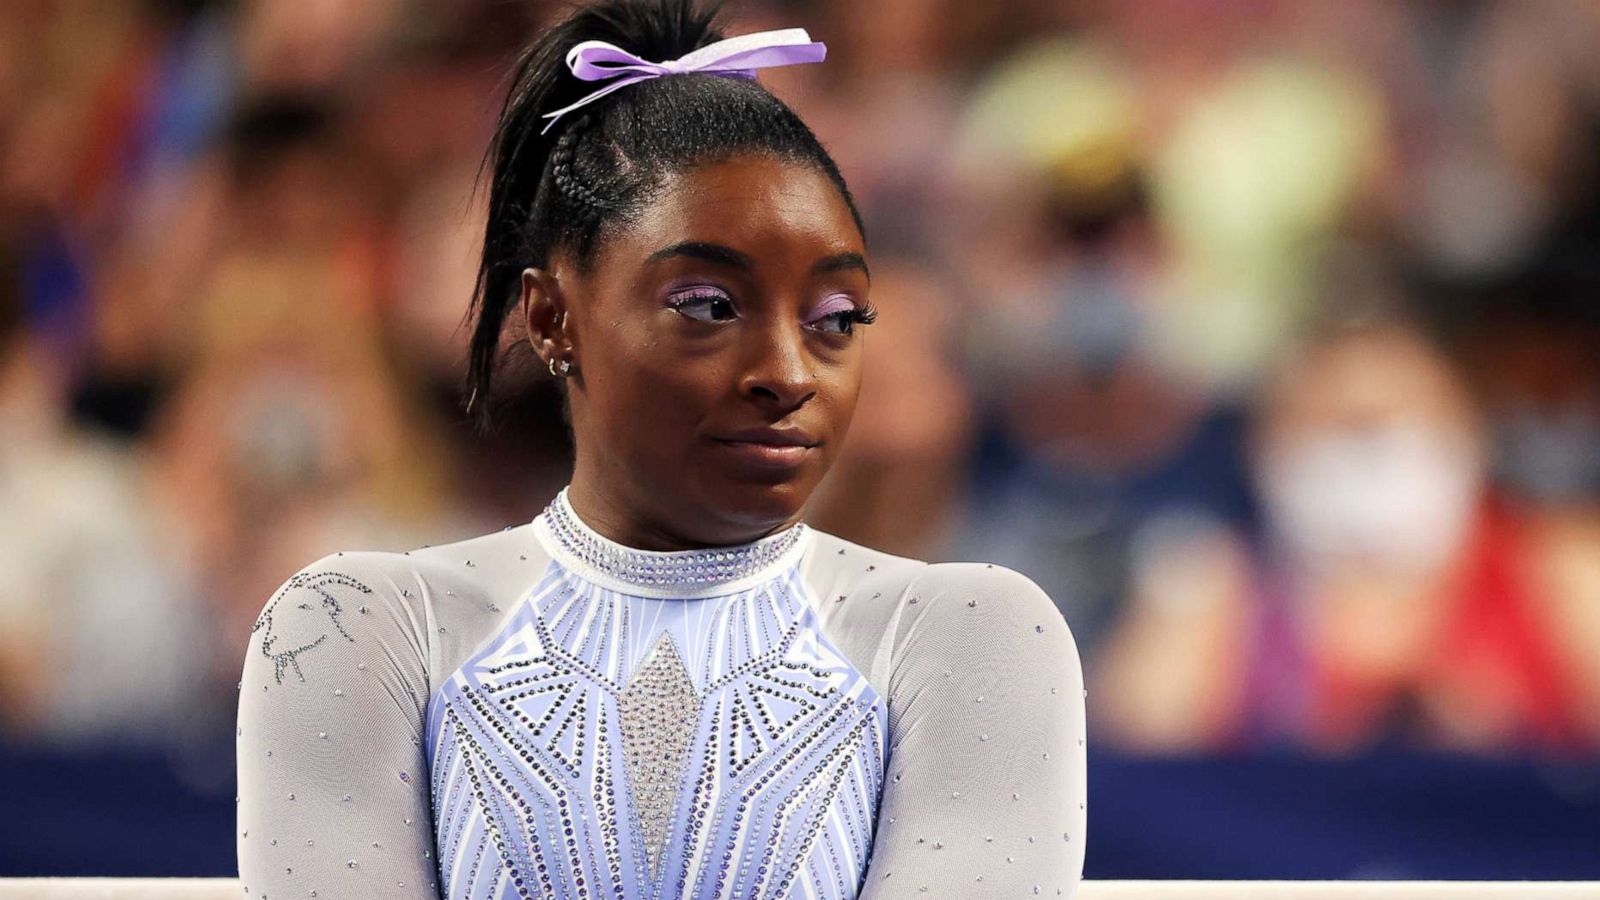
543,712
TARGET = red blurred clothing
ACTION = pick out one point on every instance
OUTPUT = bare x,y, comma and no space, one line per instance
1490,664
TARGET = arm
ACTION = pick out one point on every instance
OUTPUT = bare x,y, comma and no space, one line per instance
985,786
333,782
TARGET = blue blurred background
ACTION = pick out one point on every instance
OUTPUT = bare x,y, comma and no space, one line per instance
1263,334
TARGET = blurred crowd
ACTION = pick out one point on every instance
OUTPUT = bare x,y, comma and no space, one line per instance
1263,334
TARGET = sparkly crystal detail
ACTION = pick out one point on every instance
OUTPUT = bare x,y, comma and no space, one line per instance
285,654
583,753
659,711
681,569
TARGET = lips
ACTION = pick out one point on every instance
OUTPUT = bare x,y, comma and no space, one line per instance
776,437
770,448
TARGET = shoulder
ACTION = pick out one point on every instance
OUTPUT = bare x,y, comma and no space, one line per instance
512,547
981,614
855,567
934,608
971,580
344,582
833,562
328,610
959,589
386,597
401,576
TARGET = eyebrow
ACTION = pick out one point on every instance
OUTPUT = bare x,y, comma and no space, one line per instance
716,253
727,256
840,262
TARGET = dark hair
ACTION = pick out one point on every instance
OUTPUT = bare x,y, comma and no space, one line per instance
600,164
267,129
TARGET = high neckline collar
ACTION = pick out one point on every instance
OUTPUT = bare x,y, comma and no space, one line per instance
708,572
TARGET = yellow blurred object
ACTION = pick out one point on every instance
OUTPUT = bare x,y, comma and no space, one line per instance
1250,186
1064,109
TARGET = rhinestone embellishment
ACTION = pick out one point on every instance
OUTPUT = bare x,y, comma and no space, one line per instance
285,654
589,754
682,568
659,710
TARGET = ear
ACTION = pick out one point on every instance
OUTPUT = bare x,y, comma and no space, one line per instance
544,311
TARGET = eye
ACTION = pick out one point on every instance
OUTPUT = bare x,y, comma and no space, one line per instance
844,321
704,305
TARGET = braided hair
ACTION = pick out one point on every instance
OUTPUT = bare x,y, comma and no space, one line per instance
571,188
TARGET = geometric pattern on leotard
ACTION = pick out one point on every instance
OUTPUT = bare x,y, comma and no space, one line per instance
774,791
659,696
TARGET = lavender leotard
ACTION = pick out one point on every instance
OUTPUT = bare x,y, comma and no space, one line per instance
541,712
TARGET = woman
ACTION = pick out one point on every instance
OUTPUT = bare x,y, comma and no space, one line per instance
665,684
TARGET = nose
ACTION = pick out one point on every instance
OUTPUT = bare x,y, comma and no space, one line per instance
778,372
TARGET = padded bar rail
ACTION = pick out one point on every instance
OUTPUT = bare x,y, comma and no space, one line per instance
228,889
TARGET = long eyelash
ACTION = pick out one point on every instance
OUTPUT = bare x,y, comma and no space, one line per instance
855,315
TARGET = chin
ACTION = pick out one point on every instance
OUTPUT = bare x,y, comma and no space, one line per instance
760,505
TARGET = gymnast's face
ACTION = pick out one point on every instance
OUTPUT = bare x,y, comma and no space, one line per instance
716,353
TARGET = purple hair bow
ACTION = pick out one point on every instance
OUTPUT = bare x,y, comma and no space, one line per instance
736,57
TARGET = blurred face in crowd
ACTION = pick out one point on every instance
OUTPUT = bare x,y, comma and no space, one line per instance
715,350
1369,454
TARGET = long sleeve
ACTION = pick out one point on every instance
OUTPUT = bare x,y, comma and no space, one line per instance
333,784
984,790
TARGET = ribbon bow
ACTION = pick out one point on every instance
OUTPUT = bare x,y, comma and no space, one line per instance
736,57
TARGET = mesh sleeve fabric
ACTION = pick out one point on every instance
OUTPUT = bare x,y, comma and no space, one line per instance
333,788
984,790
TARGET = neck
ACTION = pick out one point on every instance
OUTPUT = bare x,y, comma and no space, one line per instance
631,524
690,572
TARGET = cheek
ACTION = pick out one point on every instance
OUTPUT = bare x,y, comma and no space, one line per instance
843,389
648,392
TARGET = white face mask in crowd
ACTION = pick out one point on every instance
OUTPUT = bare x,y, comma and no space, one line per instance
1399,497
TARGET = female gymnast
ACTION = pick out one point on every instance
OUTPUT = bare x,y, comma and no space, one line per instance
664,685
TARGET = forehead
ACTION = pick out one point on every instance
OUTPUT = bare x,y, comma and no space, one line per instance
762,206
1368,379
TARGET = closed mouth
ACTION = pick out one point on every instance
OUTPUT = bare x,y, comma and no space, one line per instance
770,437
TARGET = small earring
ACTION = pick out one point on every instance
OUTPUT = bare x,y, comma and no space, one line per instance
559,367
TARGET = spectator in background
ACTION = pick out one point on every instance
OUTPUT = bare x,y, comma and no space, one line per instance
1087,432
289,431
100,641
1394,598
1537,338
1257,156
